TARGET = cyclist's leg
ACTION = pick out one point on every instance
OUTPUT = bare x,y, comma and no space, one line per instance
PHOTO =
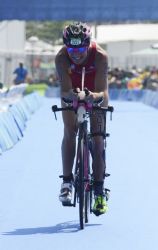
97,126
69,142
68,154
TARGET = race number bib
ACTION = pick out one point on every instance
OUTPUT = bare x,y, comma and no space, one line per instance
75,41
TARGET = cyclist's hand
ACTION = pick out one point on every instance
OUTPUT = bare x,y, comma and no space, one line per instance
92,97
73,94
86,95
89,97
79,94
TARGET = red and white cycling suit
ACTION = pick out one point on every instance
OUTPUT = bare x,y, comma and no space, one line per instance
76,71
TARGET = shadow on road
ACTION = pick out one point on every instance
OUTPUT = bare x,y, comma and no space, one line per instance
65,227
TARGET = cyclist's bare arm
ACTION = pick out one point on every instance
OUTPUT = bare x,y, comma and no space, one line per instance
62,66
101,84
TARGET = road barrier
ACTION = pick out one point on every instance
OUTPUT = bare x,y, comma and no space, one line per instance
13,120
148,97
52,92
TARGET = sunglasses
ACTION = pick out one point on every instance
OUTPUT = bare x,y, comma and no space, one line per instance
76,50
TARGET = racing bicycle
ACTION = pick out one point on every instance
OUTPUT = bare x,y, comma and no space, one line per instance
83,174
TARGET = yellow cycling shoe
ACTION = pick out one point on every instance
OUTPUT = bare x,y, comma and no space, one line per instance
100,205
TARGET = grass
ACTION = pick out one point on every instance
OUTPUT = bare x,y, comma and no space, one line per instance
40,88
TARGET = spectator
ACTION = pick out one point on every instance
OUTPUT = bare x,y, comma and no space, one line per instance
1,85
21,74
53,81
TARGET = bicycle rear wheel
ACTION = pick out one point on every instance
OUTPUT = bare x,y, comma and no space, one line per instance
87,204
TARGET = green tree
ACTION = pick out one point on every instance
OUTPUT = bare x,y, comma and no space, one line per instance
47,31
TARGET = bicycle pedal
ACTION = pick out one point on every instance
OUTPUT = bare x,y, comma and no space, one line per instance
67,204
107,175
97,213
107,194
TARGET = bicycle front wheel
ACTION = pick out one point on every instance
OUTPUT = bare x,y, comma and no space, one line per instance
81,191
87,181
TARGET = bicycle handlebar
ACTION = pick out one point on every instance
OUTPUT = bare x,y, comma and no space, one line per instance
71,108
69,101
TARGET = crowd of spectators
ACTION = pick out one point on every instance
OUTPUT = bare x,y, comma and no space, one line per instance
118,78
134,78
